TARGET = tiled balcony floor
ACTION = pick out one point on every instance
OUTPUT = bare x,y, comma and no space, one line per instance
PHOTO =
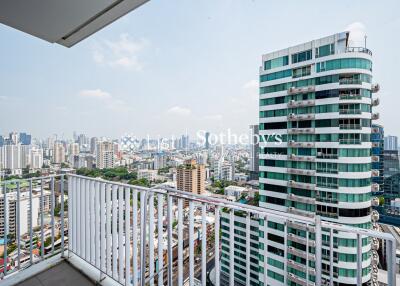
62,274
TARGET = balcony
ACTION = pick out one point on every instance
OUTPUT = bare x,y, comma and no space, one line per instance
348,81
301,172
301,131
293,143
119,234
375,116
299,117
375,87
301,158
299,90
299,212
301,240
301,199
375,102
349,96
303,103
358,50
301,185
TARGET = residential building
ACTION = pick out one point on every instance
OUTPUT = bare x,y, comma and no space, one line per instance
190,177
36,158
224,171
316,98
58,153
24,211
391,142
147,174
234,191
160,161
104,154
390,162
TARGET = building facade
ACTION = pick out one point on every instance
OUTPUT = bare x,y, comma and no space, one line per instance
316,98
104,155
391,142
190,177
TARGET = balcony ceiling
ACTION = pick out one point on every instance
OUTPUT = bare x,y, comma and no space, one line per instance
65,22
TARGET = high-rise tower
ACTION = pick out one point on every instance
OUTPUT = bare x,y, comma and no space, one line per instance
317,97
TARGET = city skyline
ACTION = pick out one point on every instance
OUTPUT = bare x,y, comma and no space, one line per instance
153,90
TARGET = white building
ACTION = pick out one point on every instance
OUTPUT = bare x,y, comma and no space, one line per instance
104,155
234,191
58,153
150,175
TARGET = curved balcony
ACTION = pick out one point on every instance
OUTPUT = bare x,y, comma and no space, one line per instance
358,50
301,172
299,117
303,103
375,102
375,116
349,96
301,199
301,131
375,87
293,143
348,81
294,157
299,90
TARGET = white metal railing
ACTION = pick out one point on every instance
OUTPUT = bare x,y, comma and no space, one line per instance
146,236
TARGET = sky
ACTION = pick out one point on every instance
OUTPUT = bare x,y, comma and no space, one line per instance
178,66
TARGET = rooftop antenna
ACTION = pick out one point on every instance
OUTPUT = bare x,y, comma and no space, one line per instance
365,41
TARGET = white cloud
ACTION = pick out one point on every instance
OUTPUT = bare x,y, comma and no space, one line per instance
94,93
180,111
252,84
215,117
106,99
122,53
3,97
357,34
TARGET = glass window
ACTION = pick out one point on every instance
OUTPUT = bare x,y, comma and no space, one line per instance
302,56
275,63
324,51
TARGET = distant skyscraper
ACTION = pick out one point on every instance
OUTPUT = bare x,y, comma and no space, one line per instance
58,153
160,161
14,138
254,152
391,142
190,177
93,143
104,154
25,139
377,139
36,158
207,143
1,140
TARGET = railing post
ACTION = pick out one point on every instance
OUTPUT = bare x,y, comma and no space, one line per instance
359,259
318,251
143,212
169,240
18,226
391,263
62,214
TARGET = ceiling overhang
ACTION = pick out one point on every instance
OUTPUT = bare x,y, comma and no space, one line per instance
65,22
